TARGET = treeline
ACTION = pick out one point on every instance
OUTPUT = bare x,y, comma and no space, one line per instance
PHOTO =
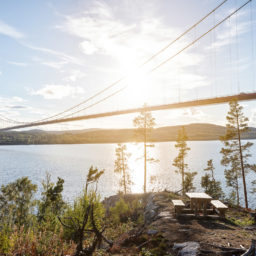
169,133
235,158
50,226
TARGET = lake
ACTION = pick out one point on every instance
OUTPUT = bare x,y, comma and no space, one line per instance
71,162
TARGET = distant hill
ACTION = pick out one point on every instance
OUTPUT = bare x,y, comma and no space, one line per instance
169,133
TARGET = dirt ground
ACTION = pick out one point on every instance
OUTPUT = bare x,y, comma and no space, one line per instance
210,233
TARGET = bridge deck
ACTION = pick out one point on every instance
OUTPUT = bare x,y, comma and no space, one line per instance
193,103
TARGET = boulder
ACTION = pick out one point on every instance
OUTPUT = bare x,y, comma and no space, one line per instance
187,248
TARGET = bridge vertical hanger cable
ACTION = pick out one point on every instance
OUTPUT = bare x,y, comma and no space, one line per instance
253,68
195,66
140,66
179,83
211,75
215,58
230,66
125,76
237,57
171,57
150,71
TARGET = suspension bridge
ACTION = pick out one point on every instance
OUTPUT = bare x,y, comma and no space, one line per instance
74,113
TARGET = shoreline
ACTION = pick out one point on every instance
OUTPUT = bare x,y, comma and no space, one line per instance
114,142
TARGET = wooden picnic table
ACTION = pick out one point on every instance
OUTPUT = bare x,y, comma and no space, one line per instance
199,201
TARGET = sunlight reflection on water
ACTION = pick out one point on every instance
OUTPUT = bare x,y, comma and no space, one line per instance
71,162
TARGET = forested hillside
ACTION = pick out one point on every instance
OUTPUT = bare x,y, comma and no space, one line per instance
168,133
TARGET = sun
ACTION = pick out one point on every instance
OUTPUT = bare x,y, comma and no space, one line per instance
136,90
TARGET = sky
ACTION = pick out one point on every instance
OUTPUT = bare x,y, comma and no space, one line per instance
56,54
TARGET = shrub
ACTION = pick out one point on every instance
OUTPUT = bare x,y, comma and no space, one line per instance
122,211
75,214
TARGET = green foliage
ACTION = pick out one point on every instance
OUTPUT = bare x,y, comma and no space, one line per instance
210,185
34,242
179,161
51,202
5,241
121,166
232,198
145,252
145,123
75,214
122,212
188,182
241,220
51,205
93,176
16,202
235,154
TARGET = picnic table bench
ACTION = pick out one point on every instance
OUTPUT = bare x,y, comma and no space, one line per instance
178,206
219,207
199,201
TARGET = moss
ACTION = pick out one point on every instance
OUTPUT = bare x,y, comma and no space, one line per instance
246,221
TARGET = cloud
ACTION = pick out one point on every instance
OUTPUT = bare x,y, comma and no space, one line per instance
18,99
55,64
194,113
15,63
10,31
74,76
88,48
11,100
1,73
101,31
228,33
60,55
17,107
52,91
9,107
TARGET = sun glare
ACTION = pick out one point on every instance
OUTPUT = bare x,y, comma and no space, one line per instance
137,91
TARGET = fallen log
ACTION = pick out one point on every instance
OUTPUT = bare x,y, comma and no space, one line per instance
226,253
252,250
223,248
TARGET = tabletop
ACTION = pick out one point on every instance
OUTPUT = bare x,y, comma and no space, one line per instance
198,196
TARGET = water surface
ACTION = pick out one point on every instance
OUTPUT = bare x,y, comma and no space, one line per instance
71,162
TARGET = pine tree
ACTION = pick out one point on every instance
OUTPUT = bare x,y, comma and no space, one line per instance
208,182
232,176
145,123
51,201
235,153
93,176
121,166
188,181
179,161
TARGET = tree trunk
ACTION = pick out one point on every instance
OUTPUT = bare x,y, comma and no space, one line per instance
183,176
124,174
237,190
145,166
145,155
242,163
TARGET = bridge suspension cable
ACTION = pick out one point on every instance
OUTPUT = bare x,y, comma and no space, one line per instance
168,59
44,121
140,66
200,37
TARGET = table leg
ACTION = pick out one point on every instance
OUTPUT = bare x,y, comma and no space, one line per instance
205,207
196,207
191,204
